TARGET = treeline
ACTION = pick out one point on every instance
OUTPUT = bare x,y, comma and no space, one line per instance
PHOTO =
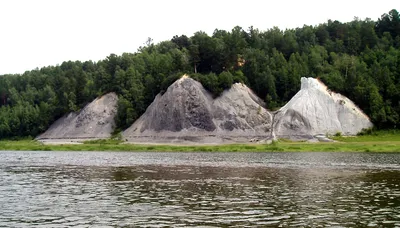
360,59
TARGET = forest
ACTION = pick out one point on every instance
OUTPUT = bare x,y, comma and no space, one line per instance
359,59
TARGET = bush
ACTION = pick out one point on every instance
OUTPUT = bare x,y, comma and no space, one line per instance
338,134
364,131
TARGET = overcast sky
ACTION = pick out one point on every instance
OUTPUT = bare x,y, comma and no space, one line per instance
47,32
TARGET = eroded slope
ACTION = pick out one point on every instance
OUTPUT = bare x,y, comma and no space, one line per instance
94,121
316,110
186,112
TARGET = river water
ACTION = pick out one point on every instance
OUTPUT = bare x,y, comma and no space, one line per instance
111,189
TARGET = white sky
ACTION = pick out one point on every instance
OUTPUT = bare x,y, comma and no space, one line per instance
37,33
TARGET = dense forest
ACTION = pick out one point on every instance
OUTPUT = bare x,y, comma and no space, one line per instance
360,59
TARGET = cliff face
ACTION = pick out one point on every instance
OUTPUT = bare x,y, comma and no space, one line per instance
316,110
187,112
95,120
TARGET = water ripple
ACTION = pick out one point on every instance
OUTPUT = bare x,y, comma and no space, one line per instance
198,190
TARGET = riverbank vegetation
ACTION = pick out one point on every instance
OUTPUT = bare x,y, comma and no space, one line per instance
359,59
378,141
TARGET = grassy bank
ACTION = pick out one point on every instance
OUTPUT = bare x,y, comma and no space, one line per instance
380,142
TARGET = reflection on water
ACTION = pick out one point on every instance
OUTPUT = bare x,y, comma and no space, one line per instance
50,189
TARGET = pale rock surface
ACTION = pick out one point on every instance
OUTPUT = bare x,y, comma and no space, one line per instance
94,121
187,113
316,110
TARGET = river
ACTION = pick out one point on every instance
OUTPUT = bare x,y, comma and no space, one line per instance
124,189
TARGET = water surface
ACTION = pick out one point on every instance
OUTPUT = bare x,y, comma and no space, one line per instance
109,189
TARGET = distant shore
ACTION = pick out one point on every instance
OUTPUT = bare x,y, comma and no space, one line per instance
380,142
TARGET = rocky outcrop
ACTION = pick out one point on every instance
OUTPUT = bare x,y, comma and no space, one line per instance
315,110
94,121
186,112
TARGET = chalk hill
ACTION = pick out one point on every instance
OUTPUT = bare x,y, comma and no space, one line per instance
95,120
186,112
316,110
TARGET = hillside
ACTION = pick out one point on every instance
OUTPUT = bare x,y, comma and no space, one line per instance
187,112
94,121
358,59
315,110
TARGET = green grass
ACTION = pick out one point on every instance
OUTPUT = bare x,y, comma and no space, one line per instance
379,142
341,146
103,142
375,136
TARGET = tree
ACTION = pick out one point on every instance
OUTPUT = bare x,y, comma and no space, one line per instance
369,39
125,113
389,23
182,41
317,58
225,80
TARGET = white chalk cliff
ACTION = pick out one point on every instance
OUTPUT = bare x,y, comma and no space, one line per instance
316,110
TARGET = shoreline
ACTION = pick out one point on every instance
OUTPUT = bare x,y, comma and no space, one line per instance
384,143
